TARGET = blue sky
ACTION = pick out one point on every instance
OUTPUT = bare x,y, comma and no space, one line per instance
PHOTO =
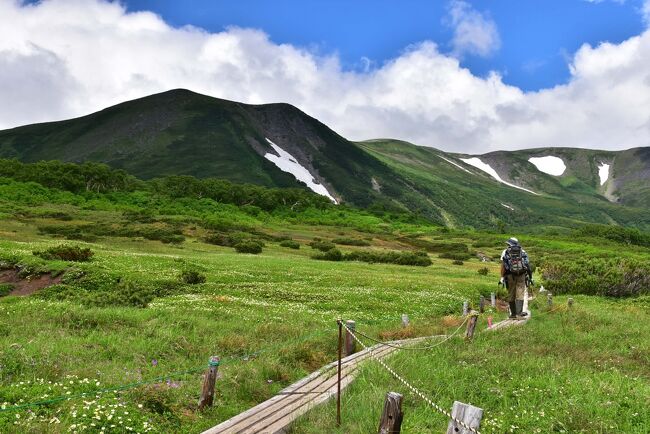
459,75
537,37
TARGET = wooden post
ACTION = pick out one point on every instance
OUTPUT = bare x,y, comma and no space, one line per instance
466,413
471,325
350,344
209,378
481,304
338,383
465,308
570,302
493,300
405,320
391,417
549,300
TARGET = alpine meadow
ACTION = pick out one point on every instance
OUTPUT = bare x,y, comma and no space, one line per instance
204,257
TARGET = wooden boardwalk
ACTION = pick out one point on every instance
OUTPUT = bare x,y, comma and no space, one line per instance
276,414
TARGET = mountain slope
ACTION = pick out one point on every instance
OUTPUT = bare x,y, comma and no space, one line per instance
183,133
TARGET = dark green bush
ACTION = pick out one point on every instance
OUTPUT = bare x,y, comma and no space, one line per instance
66,253
597,276
290,244
483,271
248,246
5,289
332,254
192,277
457,262
456,256
615,233
323,246
346,241
68,232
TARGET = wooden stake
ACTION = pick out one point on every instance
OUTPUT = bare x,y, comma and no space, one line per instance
493,299
391,417
209,378
405,320
471,325
465,308
338,383
469,414
350,344
549,300
481,304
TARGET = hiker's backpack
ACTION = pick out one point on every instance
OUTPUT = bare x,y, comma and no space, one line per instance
515,260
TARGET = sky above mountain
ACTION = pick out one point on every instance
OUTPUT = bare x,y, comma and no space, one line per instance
458,75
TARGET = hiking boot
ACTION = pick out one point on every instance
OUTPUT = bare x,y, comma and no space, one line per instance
520,309
513,310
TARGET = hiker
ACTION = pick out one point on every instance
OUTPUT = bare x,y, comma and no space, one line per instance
516,274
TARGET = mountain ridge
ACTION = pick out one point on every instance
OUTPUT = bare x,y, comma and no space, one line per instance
180,132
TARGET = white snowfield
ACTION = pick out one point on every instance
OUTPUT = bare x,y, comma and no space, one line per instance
476,162
508,206
603,173
551,165
287,163
455,164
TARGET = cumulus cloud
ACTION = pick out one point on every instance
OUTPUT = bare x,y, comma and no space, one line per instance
64,58
474,32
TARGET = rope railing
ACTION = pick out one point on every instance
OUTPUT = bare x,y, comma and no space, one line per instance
407,347
408,385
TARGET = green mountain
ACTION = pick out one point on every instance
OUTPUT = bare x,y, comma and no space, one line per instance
276,145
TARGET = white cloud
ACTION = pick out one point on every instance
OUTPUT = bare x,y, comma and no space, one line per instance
64,58
474,32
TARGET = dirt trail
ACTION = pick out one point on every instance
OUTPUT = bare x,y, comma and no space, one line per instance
27,286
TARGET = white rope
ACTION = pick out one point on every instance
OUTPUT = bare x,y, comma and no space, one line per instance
412,388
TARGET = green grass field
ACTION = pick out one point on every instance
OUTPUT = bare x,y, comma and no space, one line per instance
271,318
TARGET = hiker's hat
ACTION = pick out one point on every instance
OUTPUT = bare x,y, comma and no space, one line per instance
512,242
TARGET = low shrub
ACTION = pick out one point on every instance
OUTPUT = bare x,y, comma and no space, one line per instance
420,259
323,246
248,246
68,232
483,271
192,277
232,239
456,256
290,244
596,276
346,241
457,262
332,254
66,253
5,289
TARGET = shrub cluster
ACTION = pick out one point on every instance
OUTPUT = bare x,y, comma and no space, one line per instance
346,241
321,245
290,244
456,256
192,277
616,233
483,271
420,259
66,253
5,289
596,276
457,262
248,246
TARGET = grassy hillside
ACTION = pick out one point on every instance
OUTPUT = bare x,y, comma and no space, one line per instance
467,196
166,289
183,133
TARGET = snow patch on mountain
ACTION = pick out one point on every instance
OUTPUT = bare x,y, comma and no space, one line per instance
550,165
287,163
455,164
507,206
603,173
476,162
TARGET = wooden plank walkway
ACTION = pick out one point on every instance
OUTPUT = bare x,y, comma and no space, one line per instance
514,322
276,414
